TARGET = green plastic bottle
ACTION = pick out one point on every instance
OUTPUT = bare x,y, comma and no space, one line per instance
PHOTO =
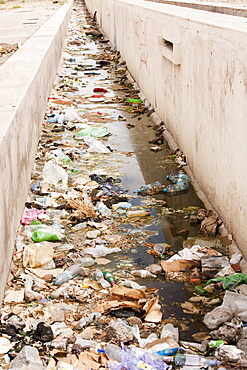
200,290
108,276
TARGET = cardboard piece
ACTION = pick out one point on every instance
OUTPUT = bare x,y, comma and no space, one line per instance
89,360
127,293
152,309
178,265
114,305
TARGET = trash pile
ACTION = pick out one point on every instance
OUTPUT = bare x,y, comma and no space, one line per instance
75,299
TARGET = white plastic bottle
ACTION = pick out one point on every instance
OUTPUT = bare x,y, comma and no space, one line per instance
67,274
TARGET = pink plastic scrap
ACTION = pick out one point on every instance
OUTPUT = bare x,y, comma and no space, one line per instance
32,214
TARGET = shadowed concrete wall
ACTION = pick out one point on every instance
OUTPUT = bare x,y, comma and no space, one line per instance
26,82
192,66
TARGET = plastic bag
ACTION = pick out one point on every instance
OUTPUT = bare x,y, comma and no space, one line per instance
32,214
143,341
101,251
94,131
103,209
169,330
54,174
230,281
134,358
98,147
36,255
234,304
72,116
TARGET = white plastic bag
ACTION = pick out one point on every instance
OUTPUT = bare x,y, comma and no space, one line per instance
98,147
72,116
54,174
143,341
169,330
234,304
37,254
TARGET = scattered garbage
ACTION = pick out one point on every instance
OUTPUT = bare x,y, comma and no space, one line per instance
93,282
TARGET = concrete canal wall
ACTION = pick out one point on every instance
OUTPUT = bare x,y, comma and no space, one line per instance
26,82
192,66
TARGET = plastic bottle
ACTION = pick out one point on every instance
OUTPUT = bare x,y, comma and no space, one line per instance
85,261
61,291
138,213
172,178
103,209
108,276
200,290
143,274
176,188
98,274
181,359
100,278
180,176
122,205
113,352
68,274
148,187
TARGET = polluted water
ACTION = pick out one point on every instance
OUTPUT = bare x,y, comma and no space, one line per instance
114,249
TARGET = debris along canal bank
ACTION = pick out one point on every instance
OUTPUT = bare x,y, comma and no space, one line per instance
109,272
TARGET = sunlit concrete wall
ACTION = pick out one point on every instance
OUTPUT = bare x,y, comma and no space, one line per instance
26,80
192,66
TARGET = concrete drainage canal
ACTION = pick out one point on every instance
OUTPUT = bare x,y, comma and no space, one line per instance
115,249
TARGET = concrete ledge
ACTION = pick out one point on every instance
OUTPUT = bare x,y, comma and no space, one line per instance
236,10
26,81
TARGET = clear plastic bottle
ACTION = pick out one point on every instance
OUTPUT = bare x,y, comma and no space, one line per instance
113,352
181,359
180,176
98,274
103,209
183,176
176,188
172,178
100,278
138,213
68,274
149,187
85,261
